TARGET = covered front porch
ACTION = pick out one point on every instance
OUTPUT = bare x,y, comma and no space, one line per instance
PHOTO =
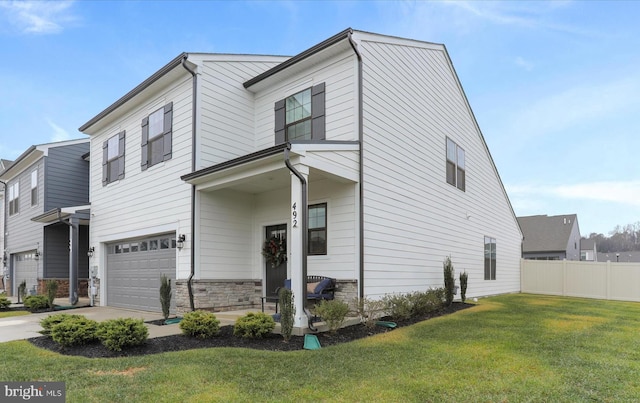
243,202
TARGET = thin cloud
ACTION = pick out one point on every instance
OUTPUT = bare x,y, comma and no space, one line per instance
38,17
59,134
525,64
621,192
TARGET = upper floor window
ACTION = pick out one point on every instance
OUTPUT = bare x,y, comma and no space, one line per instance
301,116
113,158
14,198
489,258
34,187
157,136
455,165
317,229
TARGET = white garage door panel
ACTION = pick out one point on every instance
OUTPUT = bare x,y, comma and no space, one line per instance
133,272
25,268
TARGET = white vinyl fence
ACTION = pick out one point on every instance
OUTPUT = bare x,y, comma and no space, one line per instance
601,280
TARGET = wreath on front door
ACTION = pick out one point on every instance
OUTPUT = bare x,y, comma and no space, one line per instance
274,251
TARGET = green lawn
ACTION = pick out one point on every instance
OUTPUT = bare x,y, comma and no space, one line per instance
6,314
509,348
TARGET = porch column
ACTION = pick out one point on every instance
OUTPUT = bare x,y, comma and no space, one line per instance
73,259
298,282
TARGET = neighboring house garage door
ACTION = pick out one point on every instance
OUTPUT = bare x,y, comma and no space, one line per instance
134,268
25,268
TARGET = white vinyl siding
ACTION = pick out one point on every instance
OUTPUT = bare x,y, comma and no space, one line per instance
339,75
413,218
148,200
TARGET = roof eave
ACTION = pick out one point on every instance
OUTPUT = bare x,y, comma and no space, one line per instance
141,87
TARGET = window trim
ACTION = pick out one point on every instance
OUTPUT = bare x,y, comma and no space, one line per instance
490,274
317,229
459,170
318,129
119,159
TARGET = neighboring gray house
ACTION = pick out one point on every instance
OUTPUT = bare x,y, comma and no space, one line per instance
46,209
588,251
4,164
625,257
550,237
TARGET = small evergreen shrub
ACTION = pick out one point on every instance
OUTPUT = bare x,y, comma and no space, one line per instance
74,331
165,295
398,306
423,303
254,325
200,324
50,321
4,302
36,302
287,311
464,277
449,280
369,310
333,313
116,334
52,290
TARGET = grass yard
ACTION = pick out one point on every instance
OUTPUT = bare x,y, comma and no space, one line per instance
510,348
7,314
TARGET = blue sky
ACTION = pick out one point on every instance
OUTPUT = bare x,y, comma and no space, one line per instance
555,86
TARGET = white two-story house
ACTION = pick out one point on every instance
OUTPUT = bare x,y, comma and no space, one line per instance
361,152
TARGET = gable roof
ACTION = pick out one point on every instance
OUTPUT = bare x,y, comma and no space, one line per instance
544,233
587,244
34,153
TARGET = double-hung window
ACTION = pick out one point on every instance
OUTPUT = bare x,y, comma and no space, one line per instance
34,187
489,258
301,116
14,198
456,174
157,136
113,158
317,238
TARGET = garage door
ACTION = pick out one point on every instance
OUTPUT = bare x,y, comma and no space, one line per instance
25,268
134,268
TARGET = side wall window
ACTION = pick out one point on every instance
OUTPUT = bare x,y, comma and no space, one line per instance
113,158
14,198
317,229
157,134
489,258
456,173
34,187
301,116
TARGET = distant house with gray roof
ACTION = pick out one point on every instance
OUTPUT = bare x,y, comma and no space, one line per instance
550,237
588,251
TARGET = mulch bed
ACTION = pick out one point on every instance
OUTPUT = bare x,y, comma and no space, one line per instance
272,342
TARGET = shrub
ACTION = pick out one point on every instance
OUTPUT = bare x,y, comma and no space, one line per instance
52,290
333,313
4,302
74,331
36,302
165,295
369,310
254,325
449,280
50,321
122,332
287,311
464,277
398,306
200,324
424,302
22,290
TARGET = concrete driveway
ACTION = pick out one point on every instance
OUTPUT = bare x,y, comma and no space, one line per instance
27,326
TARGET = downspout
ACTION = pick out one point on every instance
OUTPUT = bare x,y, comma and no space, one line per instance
305,226
73,272
193,187
361,163
4,232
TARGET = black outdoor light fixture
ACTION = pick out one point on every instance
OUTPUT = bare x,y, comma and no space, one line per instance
180,241
90,252
37,254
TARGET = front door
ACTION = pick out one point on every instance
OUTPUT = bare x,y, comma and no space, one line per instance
275,275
